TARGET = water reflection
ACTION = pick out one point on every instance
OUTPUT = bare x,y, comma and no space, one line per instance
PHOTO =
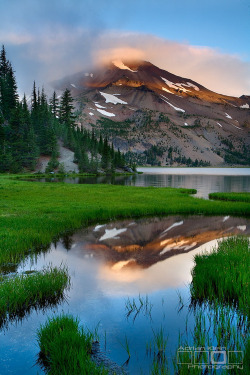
109,263
145,254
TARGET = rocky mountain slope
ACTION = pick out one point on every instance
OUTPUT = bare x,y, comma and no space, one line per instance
159,118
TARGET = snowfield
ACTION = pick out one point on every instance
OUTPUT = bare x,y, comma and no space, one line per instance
119,64
176,108
112,98
245,106
99,105
163,88
177,86
105,113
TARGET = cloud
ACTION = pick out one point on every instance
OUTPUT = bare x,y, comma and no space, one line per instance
61,51
220,72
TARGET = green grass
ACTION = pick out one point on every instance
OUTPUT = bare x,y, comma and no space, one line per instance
33,214
65,347
233,197
223,275
19,294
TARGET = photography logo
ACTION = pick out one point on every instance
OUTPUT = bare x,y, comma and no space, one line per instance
210,357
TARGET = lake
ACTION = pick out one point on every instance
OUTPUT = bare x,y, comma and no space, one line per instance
130,279
204,180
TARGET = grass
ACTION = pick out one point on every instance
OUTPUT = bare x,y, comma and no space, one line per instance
233,197
18,295
223,275
32,214
65,348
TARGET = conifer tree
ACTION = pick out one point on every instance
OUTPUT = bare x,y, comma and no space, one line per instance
66,109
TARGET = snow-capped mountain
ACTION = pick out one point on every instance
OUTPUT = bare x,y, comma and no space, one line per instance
139,105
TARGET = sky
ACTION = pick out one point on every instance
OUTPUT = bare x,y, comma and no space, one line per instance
204,40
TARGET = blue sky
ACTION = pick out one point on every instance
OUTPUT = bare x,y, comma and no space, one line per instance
223,24
50,38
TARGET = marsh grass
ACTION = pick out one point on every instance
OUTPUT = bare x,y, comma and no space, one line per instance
223,275
136,306
65,348
233,197
20,294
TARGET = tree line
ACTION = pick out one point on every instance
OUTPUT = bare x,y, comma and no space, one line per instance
31,129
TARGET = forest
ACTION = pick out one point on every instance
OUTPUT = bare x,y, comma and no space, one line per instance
34,127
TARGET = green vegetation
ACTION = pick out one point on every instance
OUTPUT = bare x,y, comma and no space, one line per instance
33,214
191,163
233,197
111,128
65,348
26,134
19,294
223,275
239,155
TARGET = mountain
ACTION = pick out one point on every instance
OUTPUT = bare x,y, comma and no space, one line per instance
159,118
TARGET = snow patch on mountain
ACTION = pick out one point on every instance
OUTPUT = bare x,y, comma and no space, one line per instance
176,108
91,114
163,88
175,86
245,106
228,116
105,113
219,124
112,98
192,85
119,64
99,105
72,84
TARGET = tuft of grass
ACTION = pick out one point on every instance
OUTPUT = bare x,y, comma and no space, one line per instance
65,348
223,275
233,197
19,294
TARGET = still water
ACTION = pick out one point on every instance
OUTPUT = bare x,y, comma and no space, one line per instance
204,180
112,265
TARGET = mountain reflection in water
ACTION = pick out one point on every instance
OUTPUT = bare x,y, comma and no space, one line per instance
150,254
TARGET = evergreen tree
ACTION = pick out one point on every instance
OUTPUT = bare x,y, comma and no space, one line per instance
54,105
8,87
66,115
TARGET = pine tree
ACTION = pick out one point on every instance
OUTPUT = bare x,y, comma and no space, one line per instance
54,105
66,115
8,87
